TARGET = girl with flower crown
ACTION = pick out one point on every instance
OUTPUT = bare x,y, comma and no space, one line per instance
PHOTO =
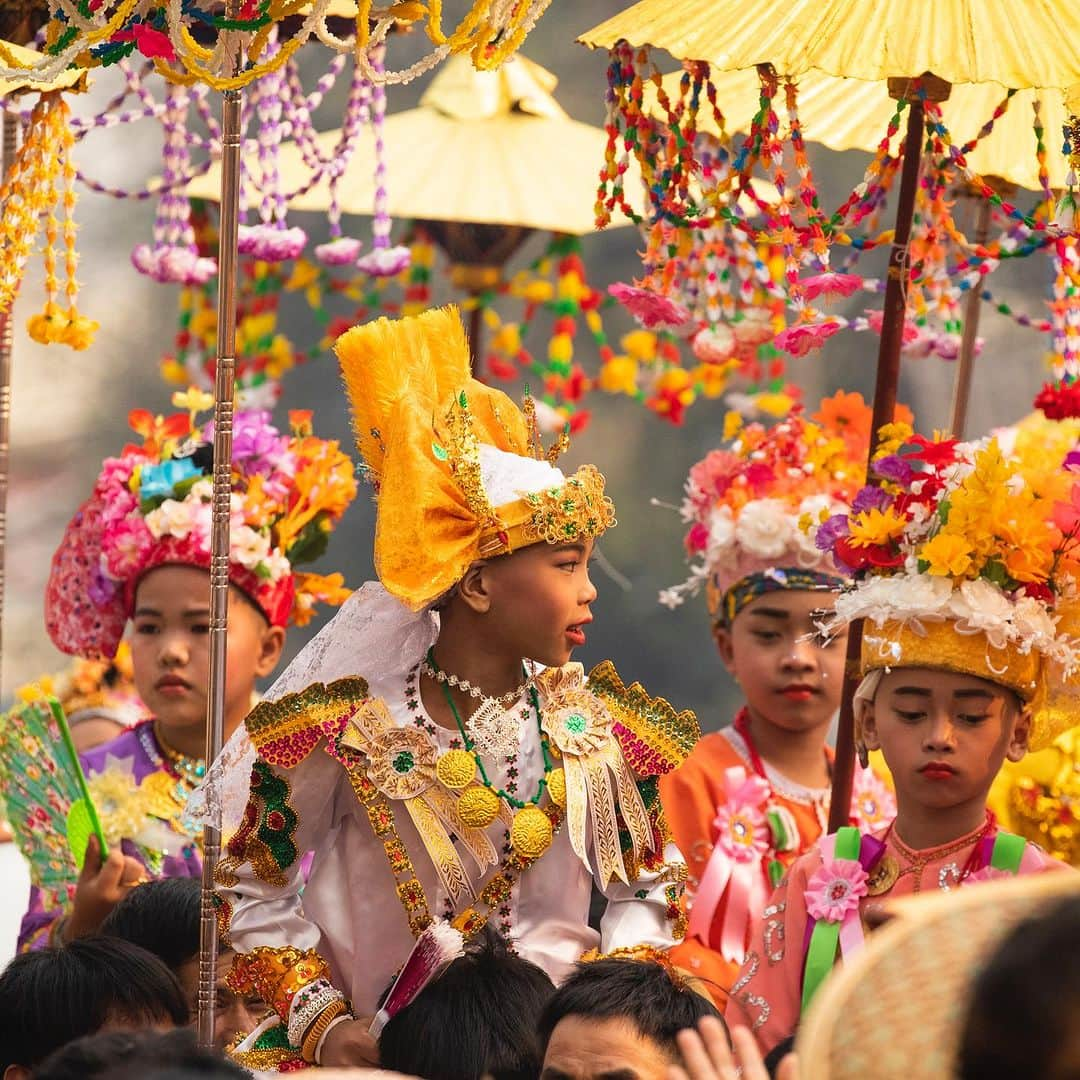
137,556
434,747
969,656
753,797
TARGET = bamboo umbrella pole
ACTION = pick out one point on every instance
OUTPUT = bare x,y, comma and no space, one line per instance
965,364
9,144
224,379
888,376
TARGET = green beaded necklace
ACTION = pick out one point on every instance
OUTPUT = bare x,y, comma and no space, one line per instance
534,699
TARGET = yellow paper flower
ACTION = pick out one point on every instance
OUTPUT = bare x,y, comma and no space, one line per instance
947,555
876,527
619,375
891,437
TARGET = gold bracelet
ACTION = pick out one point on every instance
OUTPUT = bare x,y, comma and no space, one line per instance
320,1024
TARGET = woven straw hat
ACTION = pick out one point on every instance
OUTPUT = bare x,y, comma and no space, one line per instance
897,1010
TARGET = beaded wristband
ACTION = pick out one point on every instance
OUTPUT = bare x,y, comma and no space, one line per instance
320,1027
330,1027
307,1005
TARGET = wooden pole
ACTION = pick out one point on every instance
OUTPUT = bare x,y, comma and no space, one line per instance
224,380
888,376
476,339
965,363
9,145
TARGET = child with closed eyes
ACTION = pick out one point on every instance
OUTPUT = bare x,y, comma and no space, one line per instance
969,657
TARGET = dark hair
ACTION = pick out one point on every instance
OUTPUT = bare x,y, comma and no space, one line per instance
478,1018
1025,1005
641,991
137,1055
776,1055
55,995
162,917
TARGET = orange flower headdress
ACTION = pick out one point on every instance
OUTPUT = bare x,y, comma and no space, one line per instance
458,468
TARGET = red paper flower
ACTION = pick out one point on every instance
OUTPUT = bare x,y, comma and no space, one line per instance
806,337
653,311
1059,401
830,285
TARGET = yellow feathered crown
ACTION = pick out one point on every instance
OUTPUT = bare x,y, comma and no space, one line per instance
458,468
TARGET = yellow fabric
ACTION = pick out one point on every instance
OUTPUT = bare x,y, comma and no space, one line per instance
962,41
845,114
1038,797
941,647
419,418
1053,700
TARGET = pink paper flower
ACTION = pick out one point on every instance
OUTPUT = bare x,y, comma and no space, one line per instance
271,243
385,261
755,329
803,338
873,805
742,830
125,544
173,265
835,889
714,344
875,319
339,252
652,311
830,285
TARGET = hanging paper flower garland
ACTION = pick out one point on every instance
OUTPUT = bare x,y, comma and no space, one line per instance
39,185
88,33
693,184
174,256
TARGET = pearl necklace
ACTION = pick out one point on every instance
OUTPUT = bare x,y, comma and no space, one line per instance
428,668
492,729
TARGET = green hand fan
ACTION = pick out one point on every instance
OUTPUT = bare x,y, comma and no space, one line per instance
48,802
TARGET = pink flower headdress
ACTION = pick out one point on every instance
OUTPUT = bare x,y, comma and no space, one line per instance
151,506
749,505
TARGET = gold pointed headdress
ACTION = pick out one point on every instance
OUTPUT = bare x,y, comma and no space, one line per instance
458,468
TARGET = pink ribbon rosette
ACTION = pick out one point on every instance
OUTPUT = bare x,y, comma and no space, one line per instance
832,900
742,839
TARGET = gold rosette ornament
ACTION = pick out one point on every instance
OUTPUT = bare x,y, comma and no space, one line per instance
599,786
402,764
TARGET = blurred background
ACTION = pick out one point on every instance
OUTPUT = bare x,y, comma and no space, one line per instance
70,409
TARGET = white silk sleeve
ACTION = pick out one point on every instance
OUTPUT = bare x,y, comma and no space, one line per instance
262,874
647,911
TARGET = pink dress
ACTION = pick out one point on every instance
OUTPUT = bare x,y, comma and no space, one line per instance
767,996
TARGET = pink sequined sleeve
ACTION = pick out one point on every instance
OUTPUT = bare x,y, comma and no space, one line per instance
766,996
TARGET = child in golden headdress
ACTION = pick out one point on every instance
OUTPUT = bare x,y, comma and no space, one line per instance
969,657
434,747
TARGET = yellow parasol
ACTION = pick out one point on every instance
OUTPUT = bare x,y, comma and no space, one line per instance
938,43
961,41
74,79
842,114
483,146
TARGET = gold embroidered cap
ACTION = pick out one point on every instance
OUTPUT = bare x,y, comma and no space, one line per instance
458,469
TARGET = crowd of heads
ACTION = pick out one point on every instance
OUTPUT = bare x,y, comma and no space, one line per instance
119,1006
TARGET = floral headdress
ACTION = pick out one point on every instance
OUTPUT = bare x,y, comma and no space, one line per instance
458,468
748,505
971,563
152,506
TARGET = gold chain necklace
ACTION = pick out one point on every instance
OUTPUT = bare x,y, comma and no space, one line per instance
191,770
